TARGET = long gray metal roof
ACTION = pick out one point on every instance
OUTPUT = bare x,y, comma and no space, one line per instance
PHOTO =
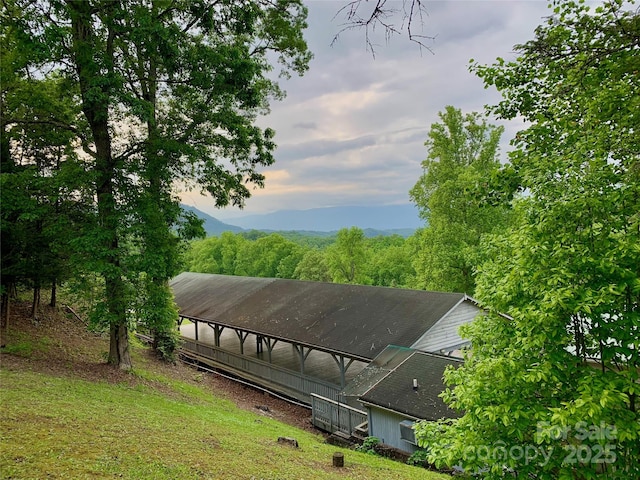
355,320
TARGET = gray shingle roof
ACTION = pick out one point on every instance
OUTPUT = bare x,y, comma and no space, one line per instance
395,391
355,320
380,367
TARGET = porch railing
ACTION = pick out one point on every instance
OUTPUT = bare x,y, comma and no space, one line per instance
271,374
332,416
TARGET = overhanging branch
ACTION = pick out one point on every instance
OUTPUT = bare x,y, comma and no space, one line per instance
382,15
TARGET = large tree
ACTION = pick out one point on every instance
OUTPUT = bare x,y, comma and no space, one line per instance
390,262
169,90
313,266
270,256
462,158
551,391
214,254
348,257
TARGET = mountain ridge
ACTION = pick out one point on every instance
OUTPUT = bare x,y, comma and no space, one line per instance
211,225
373,220
326,219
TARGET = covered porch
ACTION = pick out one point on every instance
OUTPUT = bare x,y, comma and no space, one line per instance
281,364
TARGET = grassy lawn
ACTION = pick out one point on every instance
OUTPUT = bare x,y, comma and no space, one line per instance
149,425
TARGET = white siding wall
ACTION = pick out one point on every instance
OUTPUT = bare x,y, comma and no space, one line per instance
385,425
444,334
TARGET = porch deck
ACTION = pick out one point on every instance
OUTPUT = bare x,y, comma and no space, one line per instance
291,367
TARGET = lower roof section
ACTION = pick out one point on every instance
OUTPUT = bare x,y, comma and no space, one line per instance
406,381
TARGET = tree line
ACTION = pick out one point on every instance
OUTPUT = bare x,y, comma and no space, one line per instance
347,257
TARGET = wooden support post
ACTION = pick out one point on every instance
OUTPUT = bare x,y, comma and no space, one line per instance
342,367
302,354
217,331
270,344
338,459
242,336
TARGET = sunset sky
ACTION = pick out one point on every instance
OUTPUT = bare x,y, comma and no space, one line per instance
352,130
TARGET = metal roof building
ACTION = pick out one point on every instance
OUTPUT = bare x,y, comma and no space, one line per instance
356,320
304,338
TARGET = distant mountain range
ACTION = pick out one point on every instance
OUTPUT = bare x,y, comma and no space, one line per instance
375,220
212,225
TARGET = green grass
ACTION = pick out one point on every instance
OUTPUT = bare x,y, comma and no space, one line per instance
64,427
24,346
64,414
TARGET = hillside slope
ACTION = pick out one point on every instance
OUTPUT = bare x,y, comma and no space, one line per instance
66,414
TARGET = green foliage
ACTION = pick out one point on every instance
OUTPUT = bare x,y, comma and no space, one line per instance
214,254
42,182
166,342
369,445
382,261
390,261
318,240
463,156
271,256
154,93
419,458
313,266
157,314
552,390
348,257
392,265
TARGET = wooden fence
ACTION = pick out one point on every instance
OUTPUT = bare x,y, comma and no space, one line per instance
265,373
332,416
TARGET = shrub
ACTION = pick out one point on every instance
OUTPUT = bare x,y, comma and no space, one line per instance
369,445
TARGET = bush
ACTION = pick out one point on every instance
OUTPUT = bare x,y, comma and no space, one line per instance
369,445
165,343
419,458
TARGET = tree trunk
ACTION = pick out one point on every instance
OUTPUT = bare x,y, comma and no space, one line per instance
54,290
156,218
4,315
35,305
119,347
91,57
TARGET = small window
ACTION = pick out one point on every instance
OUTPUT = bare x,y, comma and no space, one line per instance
406,431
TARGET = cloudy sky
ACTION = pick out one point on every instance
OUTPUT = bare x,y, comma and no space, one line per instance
352,130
